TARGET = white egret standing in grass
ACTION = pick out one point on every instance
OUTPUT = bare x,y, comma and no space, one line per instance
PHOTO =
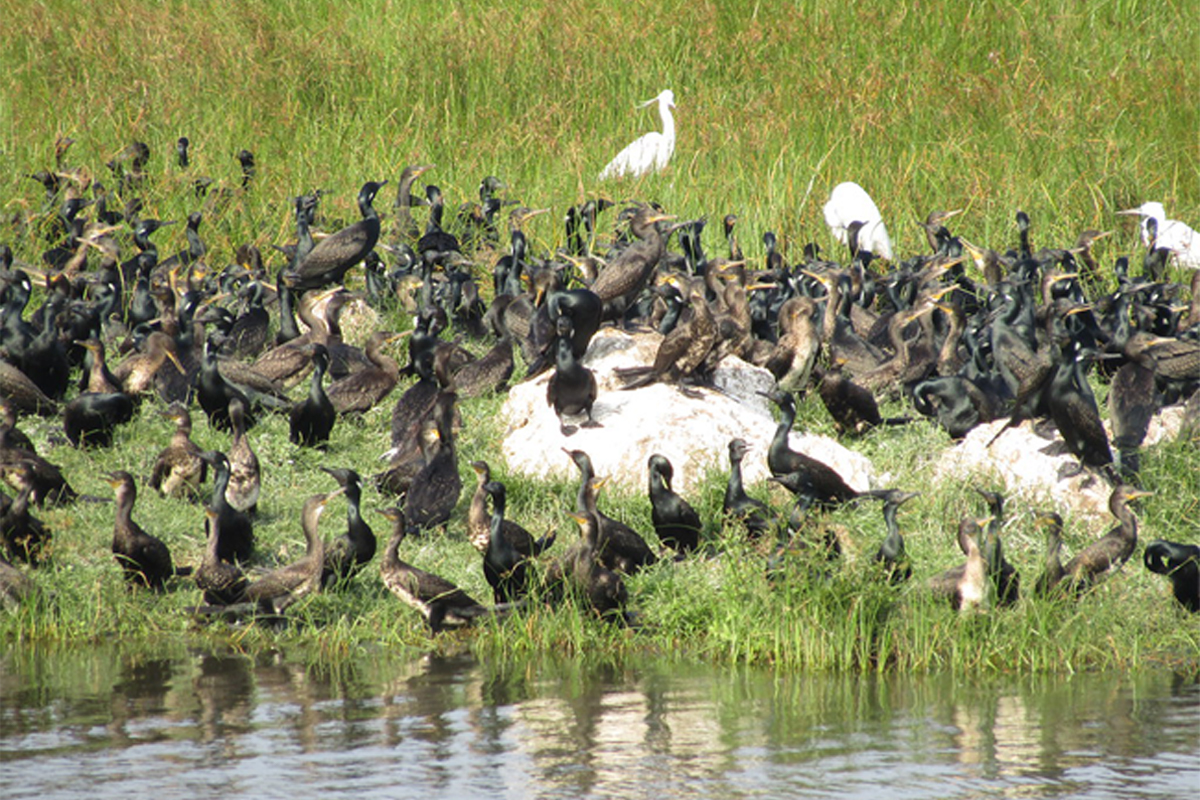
1174,235
850,203
649,152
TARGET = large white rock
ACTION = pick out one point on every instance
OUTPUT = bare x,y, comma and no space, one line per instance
693,433
1033,463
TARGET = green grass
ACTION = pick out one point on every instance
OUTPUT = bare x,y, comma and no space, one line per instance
1067,110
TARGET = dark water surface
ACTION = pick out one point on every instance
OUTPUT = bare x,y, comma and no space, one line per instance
105,723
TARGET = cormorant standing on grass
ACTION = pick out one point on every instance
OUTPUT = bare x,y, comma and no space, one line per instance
333,256
677,524
144,559
1180,563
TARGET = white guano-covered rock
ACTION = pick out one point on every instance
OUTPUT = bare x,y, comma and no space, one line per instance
693,432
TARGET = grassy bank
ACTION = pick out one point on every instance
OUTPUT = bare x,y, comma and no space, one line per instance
1069,111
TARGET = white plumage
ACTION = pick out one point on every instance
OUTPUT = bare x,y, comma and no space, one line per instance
1176,236
649,152
848,203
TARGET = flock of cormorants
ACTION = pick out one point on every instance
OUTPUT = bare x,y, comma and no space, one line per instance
187,332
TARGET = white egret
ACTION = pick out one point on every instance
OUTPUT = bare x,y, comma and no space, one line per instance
1174,235
850,203
649,152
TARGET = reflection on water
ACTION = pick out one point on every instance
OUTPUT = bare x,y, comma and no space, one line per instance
104,723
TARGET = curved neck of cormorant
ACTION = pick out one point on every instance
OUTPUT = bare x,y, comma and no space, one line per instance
126,495
315,545
213,545
220,484
585,475
1128,527
320,366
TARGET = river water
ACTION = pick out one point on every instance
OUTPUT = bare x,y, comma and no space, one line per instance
103,723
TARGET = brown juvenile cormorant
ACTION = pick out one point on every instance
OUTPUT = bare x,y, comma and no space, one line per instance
479,521
350,552
144,558
222,583
334,255
312,418
440,602
22,535
491,371
1180,563
620,547
22,393
22,468
571,390
245,476
1111,552
435,489
15,586
137,372
891,553
682,351
853,407
10,435
965,586
100,379
603,588
625,276
753,513
360,391
677,524
280,588
407,229
791,361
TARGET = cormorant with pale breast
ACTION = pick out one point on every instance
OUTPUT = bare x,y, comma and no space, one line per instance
440,602
245,474
144,559
275,591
